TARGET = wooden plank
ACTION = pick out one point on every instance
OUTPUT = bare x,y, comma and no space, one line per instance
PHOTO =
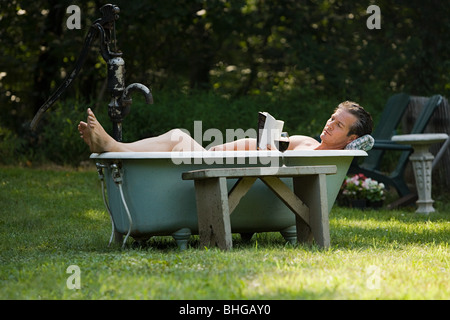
238,191
213,213
288,197
258,172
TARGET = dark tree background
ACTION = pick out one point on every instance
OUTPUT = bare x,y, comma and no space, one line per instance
231,47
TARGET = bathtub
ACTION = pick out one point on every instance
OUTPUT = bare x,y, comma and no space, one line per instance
147,197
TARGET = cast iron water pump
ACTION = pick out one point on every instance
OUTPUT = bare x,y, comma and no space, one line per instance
120,103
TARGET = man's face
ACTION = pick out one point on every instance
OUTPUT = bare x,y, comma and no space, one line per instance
335,133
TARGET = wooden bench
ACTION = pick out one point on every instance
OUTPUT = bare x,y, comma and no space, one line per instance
308,200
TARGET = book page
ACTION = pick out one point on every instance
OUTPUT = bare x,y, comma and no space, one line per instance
269,132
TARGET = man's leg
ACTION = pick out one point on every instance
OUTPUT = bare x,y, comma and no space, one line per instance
99,140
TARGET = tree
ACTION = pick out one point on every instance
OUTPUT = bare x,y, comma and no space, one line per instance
234,47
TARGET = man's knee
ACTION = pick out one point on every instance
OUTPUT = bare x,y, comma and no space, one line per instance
178,135
181,140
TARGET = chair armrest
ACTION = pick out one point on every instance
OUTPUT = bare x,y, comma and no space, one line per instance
390,145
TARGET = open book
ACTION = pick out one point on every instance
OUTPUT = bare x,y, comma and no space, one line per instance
269,129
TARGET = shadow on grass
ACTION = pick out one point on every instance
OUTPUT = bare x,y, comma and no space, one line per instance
349,228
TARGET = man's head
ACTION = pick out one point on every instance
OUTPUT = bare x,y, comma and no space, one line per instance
348,122
364,123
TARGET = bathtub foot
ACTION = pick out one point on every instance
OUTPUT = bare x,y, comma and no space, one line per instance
290,234
118,237
182,237
247,236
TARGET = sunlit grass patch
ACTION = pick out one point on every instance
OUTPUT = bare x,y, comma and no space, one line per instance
52,219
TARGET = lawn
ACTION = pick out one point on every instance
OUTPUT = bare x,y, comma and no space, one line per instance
53,218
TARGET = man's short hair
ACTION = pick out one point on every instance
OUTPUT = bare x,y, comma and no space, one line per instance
364,122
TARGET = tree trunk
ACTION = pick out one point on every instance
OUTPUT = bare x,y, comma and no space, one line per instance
47,66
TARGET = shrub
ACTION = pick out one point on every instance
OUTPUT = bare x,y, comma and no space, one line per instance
304,111
11,147
58,137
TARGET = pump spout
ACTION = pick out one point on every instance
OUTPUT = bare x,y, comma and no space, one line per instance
126,98
119,107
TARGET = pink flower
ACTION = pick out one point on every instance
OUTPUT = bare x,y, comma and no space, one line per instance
361,187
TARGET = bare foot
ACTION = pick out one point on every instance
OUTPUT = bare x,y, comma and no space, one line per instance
84,132
94,135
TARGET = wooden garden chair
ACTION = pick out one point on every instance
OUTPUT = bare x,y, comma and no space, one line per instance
390,118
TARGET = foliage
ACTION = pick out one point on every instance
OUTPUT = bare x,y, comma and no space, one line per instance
179,110
233,47
11,147
59,138
286,54
51,219
361,187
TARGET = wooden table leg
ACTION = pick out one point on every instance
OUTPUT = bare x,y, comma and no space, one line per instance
293,202
312,190
213,213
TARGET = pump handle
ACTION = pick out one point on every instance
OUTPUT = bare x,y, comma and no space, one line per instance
110,15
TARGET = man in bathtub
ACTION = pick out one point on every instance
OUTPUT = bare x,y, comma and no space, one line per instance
348,122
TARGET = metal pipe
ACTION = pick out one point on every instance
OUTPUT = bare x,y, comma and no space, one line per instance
102,182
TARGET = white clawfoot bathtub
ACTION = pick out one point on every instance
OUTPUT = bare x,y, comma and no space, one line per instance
147,196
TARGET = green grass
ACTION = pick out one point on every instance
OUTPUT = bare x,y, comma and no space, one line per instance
51,219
